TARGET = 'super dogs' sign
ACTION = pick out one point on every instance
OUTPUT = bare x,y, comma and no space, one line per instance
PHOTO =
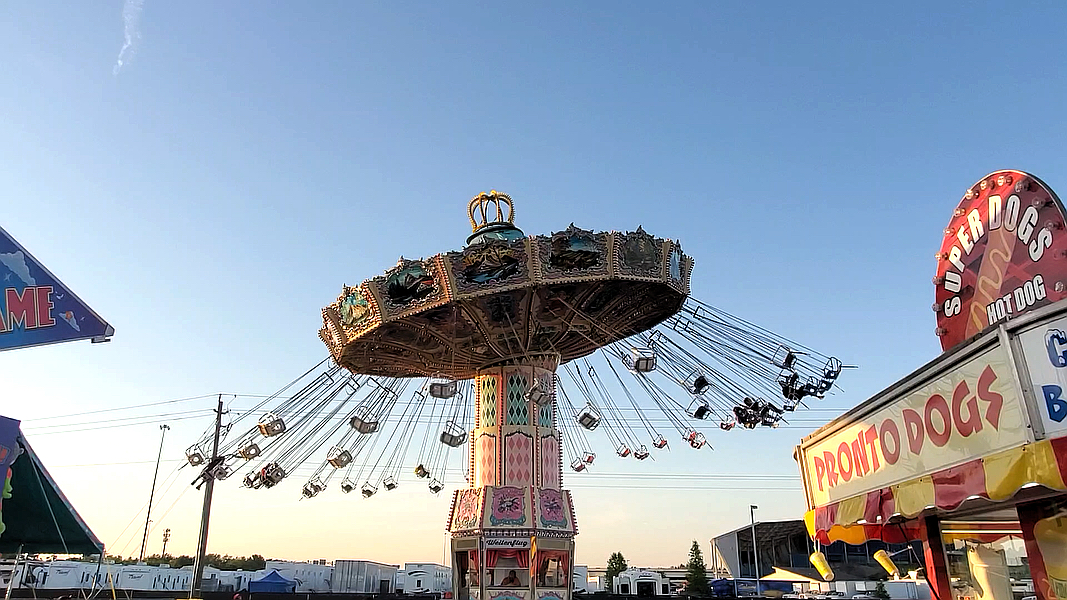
1004,253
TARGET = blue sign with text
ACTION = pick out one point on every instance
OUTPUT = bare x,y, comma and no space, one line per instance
36,308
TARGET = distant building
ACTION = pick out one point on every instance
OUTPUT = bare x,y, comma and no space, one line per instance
310,577
786,544
424,578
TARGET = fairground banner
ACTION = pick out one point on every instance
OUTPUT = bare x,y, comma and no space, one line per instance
36,308
968,412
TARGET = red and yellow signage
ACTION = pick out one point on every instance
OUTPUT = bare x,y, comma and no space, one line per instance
1004,253
972,410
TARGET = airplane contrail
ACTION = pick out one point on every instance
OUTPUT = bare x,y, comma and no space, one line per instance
131,17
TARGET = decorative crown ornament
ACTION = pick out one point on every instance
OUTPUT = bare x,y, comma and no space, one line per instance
480,204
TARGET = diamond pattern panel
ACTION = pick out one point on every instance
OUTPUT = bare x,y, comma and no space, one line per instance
485,461
489,394
518,410
544,416
518,460
550,463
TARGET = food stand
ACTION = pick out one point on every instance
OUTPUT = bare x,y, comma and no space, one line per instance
968,454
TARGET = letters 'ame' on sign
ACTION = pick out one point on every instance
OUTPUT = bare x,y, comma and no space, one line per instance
1004,253
36,308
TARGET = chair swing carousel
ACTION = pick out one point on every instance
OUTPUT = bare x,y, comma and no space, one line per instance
522,346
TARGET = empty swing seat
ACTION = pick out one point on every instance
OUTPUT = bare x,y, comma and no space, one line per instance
588,457
641,360
338,457
623,450
698,409
443,387
727,425
363,422
641,453
453,435
436,486
578,465
368,490
421,472
698,384
659,442
389,483
195,457
249,450
253,480
589,417
538,395
347,486
271,425
221,471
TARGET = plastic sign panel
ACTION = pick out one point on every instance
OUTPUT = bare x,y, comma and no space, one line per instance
971,410
1045,351
36,308
1004,253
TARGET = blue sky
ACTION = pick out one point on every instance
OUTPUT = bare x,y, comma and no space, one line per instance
244,163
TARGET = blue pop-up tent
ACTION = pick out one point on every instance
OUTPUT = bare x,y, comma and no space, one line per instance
273,583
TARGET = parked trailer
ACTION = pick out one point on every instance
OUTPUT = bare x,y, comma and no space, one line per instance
363,577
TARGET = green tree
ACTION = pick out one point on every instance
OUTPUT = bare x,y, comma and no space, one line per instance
616,565
880,591
696,573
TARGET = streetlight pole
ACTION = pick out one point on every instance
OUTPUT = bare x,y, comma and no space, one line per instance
755,549
152,495
166,538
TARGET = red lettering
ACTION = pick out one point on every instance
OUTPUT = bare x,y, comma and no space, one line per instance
21,308
820,470
870,436
973,423
843,453
44,306
889,429
995,400
913,426
831,470
937,403
859,454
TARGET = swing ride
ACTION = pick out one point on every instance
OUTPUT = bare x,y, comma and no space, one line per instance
516,348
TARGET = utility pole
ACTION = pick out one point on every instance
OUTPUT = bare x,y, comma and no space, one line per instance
755,549
209,478
152,495
166,538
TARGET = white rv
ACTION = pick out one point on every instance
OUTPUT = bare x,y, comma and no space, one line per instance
637,582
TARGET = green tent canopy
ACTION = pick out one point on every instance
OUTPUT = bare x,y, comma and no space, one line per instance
38,517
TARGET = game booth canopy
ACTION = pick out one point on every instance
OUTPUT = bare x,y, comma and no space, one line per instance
37,309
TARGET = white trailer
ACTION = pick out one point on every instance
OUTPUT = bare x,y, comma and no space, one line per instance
424,578
363,577
636,582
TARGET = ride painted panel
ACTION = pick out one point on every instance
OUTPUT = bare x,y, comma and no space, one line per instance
1004,253
518,458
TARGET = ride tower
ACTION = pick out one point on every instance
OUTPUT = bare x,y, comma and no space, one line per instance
506,312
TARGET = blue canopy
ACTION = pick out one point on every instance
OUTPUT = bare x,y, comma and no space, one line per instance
273,583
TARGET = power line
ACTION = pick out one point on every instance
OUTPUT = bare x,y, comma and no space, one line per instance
104,410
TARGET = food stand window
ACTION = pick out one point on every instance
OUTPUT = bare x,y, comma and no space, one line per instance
986,557
500,563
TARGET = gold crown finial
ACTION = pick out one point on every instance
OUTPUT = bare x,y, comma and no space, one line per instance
480,204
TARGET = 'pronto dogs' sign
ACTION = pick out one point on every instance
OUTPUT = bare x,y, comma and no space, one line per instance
971,411
1004,253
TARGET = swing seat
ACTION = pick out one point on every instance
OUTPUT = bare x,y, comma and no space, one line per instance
436,486
338,457
589,417
698,409
453,435
271,425
421,472
640,360
538,395
623,450
347,486
195,457
249,450
389,483
578,465
313,487
588,457
362,422
443,387
641,453
368,490
659,442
